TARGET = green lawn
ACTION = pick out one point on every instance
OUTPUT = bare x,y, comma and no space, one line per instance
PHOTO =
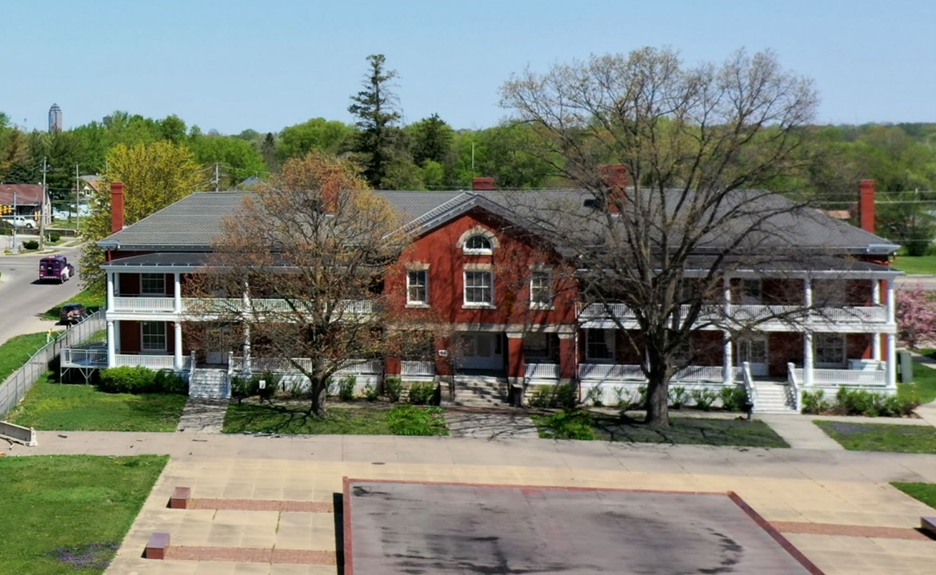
881,437
292,418
74,407
92,297
925,265
925,492
69,513
15,352
924,384
682,431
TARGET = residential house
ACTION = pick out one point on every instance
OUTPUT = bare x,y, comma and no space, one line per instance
28,199
476,265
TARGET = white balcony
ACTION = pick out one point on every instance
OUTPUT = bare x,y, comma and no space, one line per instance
844,377
417,368
143,304
150,361
541,371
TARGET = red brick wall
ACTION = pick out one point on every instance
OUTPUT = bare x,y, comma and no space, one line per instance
708,348
783,348
511,266
858,345
129,284
130,337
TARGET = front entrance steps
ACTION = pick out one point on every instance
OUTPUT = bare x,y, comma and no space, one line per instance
480,391
774,397
209,384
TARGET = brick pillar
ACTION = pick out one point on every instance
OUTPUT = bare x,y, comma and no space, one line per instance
392,366
515,360
568,356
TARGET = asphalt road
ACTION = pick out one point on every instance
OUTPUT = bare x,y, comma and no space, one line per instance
911,282
23,299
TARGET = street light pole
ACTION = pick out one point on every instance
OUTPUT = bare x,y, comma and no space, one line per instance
15,224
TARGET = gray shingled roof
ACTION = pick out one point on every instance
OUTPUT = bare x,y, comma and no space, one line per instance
193,223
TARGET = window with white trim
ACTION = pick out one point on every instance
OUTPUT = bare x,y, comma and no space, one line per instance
479,288
541,295
829,349
599,344
153,284
479,244
153,335
417,287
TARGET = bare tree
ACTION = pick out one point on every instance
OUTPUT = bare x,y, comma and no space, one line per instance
696,142
300,266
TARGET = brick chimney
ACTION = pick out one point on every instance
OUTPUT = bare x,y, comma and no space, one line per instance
866,205
117,207
615,178
482,184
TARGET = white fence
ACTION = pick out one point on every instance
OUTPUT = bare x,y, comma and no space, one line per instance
15,387
421,368
541,371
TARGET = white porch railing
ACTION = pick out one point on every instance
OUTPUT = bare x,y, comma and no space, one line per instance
150,361
709,373
261,305
364,367
793,382
749,386
612,371
278,365
871,314
602,311
541,371
144,304
752,312
425,368
848,377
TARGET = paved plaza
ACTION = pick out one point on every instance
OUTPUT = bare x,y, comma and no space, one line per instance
835,506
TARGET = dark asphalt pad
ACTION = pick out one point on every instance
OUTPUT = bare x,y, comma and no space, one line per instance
413,528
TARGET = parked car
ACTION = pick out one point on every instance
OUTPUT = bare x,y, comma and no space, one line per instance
60,215
73,313
24,222
55,268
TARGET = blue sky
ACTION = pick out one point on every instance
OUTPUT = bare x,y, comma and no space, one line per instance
233,64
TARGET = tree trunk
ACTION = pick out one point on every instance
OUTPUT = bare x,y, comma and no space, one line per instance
318,391
657,401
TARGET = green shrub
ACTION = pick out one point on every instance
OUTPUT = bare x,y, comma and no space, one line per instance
393,389
733,398
870,404
422,393
813,402
346,387
594,395
622,397
641,396
563,395
569,424
141,379
54,236
271,382
31,245
412,420
371,393
678,397
244,387
703,398
296,389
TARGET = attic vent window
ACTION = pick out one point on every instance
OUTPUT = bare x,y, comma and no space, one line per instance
479,245
592,203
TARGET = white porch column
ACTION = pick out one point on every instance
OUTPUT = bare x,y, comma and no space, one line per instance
891,360
876,346
177,347
177,292
807,292
876,292
727,356
110,290
891,301
807,359
111,342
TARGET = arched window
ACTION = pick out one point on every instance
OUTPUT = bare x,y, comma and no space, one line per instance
478,243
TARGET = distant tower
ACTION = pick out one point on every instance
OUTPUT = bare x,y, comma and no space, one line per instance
55,119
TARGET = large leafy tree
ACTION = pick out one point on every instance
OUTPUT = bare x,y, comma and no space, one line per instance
316,134
375,107
318,241
154,176
431,140
237,159
697,142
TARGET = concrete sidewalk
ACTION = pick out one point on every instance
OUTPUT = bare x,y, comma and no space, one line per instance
800,432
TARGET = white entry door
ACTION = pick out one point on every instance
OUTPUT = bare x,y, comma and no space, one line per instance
480,351
754,351
216,348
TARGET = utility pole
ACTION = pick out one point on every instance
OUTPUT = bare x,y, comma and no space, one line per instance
77,202
45,168
15,224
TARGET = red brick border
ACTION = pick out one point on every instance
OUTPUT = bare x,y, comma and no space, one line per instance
181,496
851,530
251,555
758,519
783,541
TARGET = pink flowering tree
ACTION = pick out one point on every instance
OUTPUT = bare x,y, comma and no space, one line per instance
916,317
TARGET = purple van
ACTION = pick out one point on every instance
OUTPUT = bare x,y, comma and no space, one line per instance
55,268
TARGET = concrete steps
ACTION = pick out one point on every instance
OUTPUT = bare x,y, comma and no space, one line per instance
209,384
773,398
480,392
